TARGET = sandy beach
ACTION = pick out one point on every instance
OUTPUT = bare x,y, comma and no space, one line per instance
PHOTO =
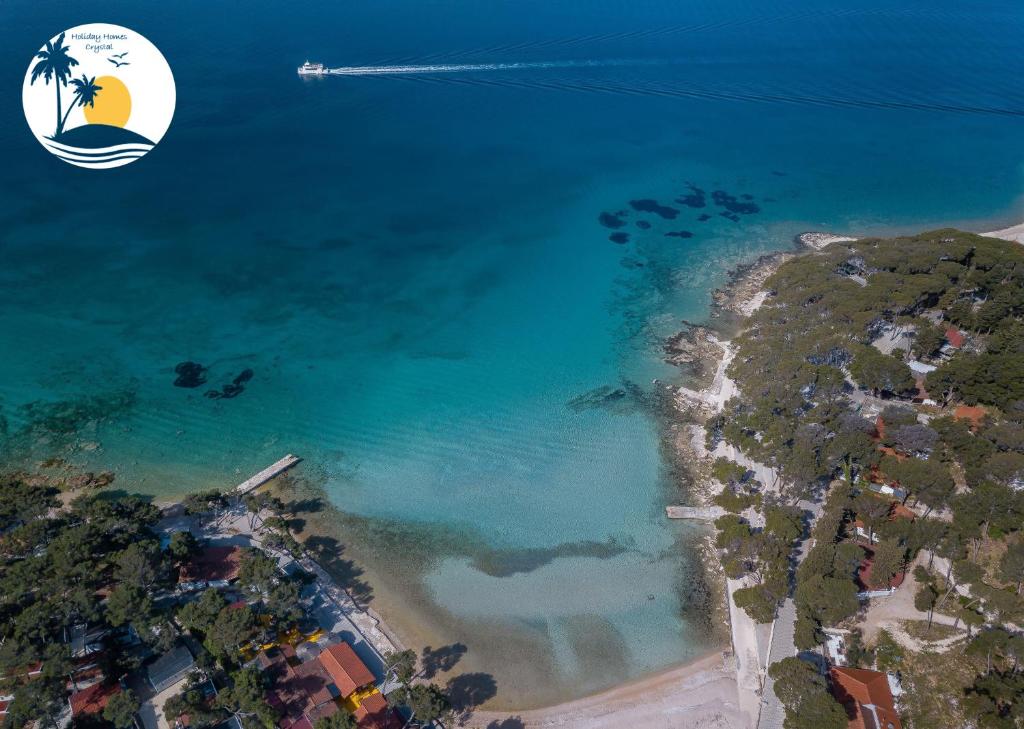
699,695
1014,233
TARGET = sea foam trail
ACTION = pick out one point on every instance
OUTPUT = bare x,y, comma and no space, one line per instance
470,67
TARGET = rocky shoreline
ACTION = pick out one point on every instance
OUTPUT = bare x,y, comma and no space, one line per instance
744,291
707,356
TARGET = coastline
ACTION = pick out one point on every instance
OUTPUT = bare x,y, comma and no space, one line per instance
734,302
707,692
700,694
1013,233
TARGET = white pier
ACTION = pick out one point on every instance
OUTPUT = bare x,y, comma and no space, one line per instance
698,513
266,474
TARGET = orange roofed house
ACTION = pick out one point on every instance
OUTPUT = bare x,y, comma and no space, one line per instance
867,697
348,672
335,680
373,713
92,700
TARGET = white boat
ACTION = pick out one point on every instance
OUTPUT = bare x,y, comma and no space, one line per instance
312,69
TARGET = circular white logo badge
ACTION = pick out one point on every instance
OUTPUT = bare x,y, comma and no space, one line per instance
98,96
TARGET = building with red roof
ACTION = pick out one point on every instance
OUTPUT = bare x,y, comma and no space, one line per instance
867,697
955,337
217,566
94,699
300,692
373,713
346,669
304,692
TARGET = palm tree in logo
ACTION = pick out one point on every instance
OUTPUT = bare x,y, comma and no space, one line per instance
54,63
85,93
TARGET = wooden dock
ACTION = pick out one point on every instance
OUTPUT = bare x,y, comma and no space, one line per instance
266,474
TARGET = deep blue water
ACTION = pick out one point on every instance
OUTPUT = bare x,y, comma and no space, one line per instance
414,269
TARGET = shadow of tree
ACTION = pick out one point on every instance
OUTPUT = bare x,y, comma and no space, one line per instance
328,552
513,722
470,690
296,526
310,505
439,660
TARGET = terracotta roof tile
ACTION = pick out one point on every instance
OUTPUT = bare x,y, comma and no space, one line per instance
866,696
92,700
345,667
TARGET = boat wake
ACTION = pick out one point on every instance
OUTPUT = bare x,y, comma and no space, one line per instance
471,67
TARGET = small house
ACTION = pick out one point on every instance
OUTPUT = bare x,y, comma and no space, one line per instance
92,700
170,668
346,669
212,567
867,697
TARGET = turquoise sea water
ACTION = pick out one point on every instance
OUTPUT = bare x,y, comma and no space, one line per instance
414,270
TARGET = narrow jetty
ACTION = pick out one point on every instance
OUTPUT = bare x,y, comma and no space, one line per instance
266,474
701,513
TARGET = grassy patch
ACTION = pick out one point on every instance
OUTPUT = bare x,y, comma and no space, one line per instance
934,685
919,629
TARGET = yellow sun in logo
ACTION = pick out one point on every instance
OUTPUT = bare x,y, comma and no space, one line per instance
112,105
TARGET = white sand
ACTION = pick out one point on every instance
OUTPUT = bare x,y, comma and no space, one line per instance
699,695
1014,233
817,241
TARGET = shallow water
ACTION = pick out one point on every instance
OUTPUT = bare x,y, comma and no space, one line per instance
415,271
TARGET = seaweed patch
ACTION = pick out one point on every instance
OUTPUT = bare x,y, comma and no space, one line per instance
234,388
653,206
620,238
679,234
612,220
189,374
695,199
733,204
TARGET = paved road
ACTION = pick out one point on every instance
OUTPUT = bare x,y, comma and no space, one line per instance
773,714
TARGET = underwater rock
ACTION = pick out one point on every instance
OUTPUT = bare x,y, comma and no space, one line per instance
731,216
598,397
624,400
643,225
620,238
704,217
229,391
89,480
696,198
653,206
679,234
612,220
734,205
189,374
232,389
